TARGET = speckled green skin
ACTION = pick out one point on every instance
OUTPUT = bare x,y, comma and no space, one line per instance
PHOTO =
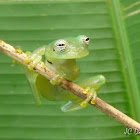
64,63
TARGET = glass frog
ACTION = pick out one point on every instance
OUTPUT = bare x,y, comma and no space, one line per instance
61,56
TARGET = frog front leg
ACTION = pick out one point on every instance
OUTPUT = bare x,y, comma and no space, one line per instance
35,57
91,86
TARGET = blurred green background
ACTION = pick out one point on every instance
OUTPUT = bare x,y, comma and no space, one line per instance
114,52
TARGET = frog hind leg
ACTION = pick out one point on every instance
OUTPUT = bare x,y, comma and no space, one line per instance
31,76
72,106
91,85
33,59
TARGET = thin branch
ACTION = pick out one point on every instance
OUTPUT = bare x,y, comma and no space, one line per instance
72,87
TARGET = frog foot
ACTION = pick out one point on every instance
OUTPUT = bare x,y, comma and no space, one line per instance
28,60
32,60
19,51
56,80
28,53
42,65
91,96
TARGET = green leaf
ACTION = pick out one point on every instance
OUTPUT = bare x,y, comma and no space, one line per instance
114,52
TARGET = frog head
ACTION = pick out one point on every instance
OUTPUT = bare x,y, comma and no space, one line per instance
68,48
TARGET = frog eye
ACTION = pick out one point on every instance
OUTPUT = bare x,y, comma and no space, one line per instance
60,46
86,40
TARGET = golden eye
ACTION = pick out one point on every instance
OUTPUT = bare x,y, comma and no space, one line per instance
86,40
60,46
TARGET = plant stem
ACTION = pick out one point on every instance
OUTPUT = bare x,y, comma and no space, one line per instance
72,87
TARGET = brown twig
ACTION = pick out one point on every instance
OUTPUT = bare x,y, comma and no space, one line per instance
72,87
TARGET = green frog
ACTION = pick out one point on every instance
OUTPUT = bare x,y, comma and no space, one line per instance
60,56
